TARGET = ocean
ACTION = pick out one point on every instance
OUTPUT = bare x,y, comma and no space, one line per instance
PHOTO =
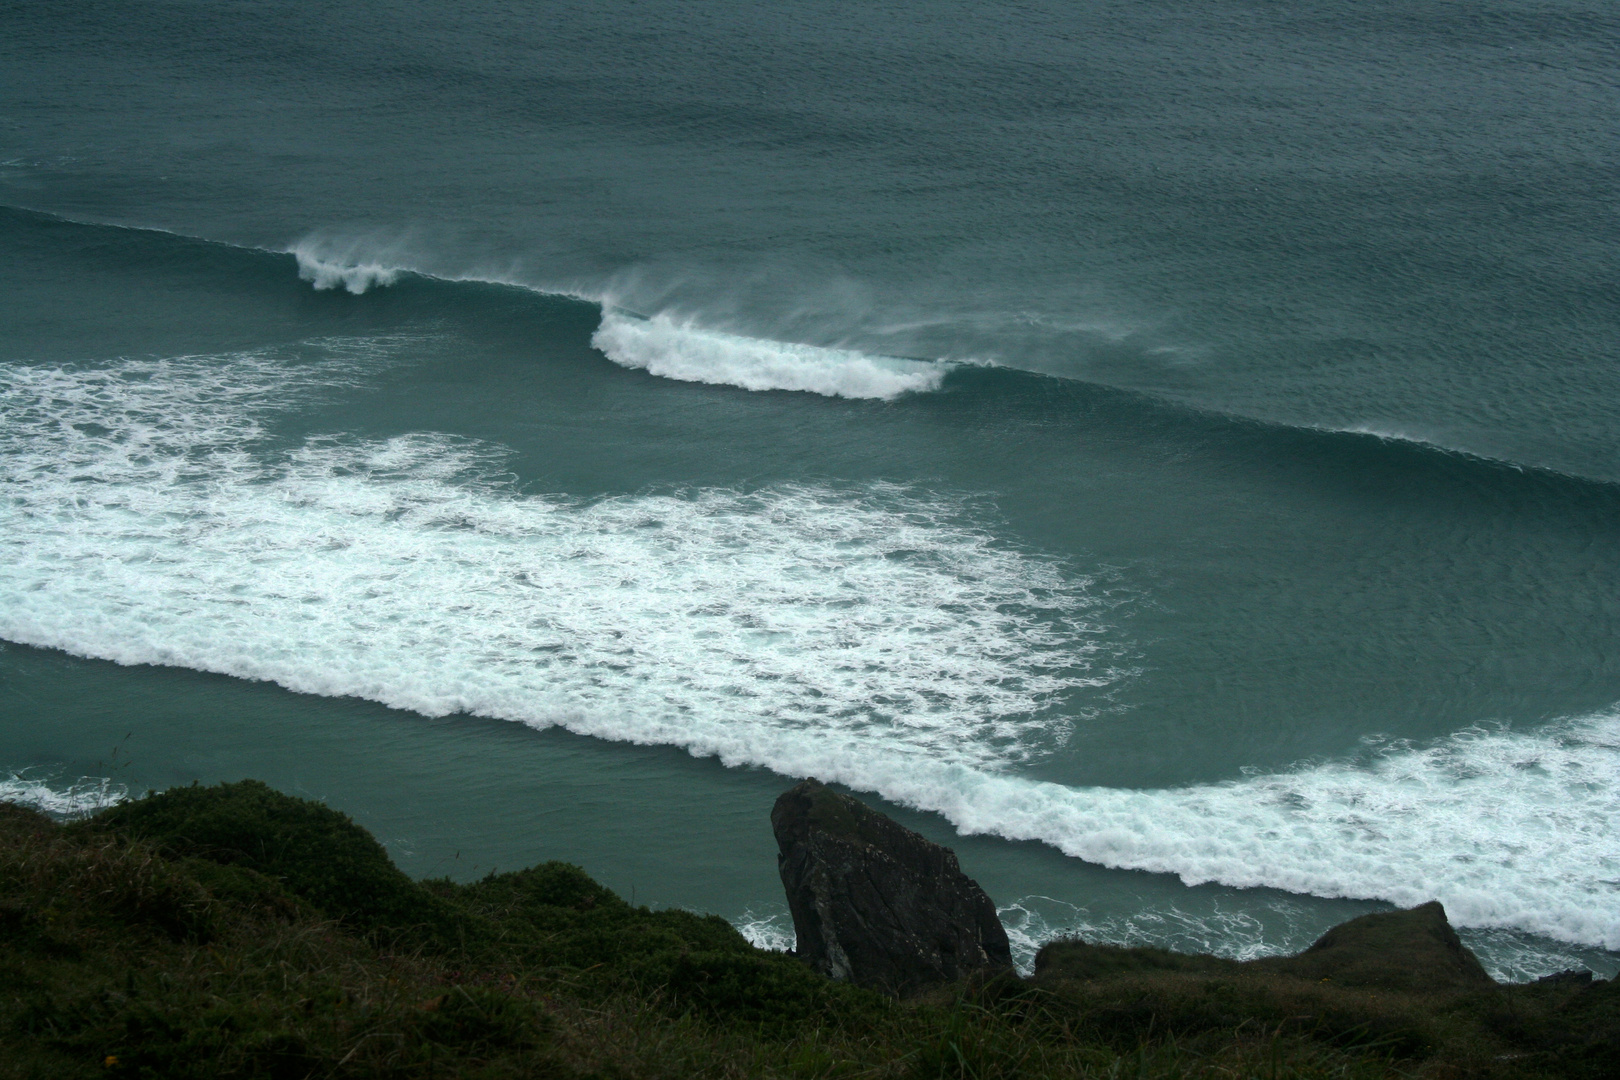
1168,452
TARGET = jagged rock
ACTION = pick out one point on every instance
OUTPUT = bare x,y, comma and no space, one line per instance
874,903
1414,949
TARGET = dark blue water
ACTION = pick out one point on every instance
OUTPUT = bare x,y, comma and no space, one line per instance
1168,454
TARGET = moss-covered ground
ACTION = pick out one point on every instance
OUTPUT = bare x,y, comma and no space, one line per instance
232,931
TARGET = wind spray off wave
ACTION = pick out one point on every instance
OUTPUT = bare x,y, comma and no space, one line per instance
326,269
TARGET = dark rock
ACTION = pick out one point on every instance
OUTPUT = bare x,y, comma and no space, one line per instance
874,903
1415,950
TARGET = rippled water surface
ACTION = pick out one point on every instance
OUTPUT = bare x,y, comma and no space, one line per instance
1169,454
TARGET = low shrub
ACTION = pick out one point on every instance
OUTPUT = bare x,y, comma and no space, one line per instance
317,854
236,932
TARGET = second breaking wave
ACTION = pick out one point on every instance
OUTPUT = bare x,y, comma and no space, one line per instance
670,347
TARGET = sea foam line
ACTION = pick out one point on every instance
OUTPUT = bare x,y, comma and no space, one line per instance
869,636
1507,829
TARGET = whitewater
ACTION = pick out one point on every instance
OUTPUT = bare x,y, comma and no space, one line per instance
662,344
873,634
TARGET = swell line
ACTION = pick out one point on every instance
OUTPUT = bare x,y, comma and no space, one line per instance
684,348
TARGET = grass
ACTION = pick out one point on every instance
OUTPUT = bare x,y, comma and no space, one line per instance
232,931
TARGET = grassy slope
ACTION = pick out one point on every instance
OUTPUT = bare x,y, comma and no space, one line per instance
234,931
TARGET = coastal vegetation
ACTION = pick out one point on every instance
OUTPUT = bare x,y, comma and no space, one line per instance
233,931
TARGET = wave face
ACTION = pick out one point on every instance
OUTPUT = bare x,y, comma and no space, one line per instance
662,346
867,634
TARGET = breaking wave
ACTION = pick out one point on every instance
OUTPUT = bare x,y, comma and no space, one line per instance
64,802
870,635
662,346
330,270
1507,829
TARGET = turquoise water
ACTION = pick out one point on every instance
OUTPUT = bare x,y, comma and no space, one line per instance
1171,460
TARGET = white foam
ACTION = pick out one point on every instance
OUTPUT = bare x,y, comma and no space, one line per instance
789,626
683,351
1276,926
328,269
771,930
1512,956
83,796
870,636
662,345
1507,829
1033,921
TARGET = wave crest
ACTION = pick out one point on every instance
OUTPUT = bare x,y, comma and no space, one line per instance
674,350
329,271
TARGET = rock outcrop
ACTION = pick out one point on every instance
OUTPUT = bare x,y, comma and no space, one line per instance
1415,951
876,904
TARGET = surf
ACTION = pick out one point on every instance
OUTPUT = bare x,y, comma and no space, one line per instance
686,352
685,347
870,634
778,624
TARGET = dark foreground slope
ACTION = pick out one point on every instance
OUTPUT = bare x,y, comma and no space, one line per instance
236,932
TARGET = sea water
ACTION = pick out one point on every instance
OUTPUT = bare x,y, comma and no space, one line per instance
1168,454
